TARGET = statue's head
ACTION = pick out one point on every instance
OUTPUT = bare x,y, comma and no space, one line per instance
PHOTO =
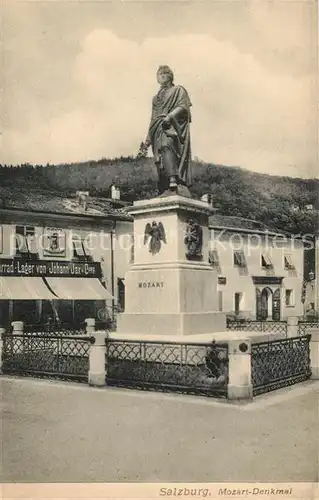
165,75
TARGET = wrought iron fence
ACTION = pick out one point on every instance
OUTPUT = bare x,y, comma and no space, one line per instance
280,363
303,326
192,368
46,355
258,326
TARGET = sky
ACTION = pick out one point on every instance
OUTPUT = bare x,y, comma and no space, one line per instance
78,79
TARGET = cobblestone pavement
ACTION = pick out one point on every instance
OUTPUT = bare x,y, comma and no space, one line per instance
62,432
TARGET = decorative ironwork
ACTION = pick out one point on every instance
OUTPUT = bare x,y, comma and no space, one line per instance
194,240
280,363
46,355
258,326
303,326
192,368
154,233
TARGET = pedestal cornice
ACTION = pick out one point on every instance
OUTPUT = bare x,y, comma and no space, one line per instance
177,264
174,202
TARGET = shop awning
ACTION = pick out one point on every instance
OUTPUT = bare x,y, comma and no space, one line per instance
24,288
78,288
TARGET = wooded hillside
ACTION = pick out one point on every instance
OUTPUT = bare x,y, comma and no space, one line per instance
281,202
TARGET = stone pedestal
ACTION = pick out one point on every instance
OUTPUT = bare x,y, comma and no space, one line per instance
90,326
97,365
17,327
165,291
239,371
314,353
292,327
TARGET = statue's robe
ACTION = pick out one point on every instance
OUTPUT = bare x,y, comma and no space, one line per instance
177,137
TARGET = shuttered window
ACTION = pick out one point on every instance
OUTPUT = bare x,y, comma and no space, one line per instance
288,262
26,243
266,261
239,259
81,251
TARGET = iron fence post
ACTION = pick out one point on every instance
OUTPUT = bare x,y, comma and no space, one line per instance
314,352
59,353
239,369
142,354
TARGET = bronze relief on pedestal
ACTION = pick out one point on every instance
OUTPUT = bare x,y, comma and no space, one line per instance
155,234
194,240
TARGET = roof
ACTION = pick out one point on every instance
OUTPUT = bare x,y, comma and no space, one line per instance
17,197
239,223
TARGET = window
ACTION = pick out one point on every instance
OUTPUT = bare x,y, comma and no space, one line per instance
288,262
121,294
25,241
290,298
239,259
80,249
213,258
238,298
265,261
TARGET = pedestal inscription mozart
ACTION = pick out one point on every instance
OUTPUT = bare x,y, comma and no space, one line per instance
169,135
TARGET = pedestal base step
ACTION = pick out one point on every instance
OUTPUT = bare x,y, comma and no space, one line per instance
171,324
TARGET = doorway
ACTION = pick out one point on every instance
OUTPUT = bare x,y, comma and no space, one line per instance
267,304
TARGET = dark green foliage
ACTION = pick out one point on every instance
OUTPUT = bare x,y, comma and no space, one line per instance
276,201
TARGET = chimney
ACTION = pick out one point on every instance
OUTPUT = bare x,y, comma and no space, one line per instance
115,192
207,198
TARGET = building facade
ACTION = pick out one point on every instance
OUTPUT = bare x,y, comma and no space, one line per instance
60,267
69,263
260,272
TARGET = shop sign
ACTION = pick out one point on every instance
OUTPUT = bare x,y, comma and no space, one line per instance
267,280
49,268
